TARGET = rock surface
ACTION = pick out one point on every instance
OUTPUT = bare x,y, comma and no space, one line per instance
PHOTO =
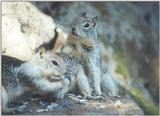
76,105
24,28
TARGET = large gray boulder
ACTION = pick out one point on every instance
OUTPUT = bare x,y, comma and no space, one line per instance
24,28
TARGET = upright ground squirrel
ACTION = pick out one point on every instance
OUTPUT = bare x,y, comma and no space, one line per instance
83,44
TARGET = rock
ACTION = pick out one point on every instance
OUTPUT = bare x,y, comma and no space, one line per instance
24,28
70,106
52,106
40,110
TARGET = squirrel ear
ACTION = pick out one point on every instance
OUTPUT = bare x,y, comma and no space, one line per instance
83,14
95,19
42,51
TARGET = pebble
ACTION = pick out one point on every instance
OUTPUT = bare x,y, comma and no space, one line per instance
40,110
21,108
79,96
25,103
34,99
117,104
52,106
41,103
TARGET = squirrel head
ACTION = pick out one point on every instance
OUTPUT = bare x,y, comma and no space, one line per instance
51,61
84,27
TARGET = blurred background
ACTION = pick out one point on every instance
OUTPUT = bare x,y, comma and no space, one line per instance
129,35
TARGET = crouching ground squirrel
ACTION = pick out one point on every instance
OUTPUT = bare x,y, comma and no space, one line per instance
83,44
43,73
46,72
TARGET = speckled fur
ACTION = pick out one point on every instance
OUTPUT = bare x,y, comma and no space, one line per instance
76,75
19,77
85,47
82,43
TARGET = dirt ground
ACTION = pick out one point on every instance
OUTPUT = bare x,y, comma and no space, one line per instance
73,105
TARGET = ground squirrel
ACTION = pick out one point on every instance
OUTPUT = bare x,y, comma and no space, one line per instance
83,44
43,73
46,72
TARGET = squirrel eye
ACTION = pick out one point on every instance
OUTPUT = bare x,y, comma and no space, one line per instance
86,25
55,62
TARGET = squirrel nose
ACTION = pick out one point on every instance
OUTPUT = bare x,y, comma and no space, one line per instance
73,29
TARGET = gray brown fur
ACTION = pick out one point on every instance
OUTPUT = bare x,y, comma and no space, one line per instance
82,43
75,74
83,32
19,77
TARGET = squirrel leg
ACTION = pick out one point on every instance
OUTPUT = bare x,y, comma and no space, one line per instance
4,98
108,84
83,83
97,80
95,76
64,90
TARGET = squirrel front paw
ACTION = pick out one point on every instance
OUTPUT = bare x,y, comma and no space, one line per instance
97,92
